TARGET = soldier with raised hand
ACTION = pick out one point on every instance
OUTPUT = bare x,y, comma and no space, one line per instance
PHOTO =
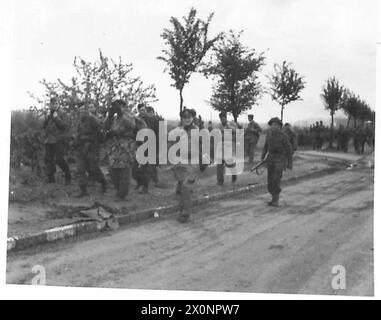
120,128
55,127
278,153
252,133
88,144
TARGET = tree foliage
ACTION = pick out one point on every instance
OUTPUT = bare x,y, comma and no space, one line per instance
100,81
333,96
235,68
285,85
187,44
356,108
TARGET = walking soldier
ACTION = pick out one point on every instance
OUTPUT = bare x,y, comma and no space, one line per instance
278,153
186,172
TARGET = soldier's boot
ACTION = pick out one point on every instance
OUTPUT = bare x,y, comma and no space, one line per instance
83,192
234,178
183,218
275,200
144,190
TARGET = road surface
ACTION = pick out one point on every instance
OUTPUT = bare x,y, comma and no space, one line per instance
239,245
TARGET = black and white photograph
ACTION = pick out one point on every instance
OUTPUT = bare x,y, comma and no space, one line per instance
198,146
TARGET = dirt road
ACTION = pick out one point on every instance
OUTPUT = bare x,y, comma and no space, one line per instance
239,245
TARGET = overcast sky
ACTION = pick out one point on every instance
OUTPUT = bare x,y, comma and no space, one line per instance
322,38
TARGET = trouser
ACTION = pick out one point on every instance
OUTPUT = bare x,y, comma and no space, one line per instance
121,180
221,173
344,145
185,175
356,144
54,155
250,150
314,143
274,176
88,165
141,173
154,173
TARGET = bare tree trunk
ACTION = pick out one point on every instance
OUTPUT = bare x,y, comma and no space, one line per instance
281,113
331,135
181,100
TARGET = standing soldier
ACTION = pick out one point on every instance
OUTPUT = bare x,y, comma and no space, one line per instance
141,172
278,153
291,135
369,132
221,166
342,139
322,133
314,134
359,139
55,127
88,143
121,130
252,134
154,123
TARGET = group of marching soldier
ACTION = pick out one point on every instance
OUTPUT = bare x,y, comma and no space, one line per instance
119,130
360,135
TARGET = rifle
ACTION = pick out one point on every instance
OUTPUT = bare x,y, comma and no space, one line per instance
259,165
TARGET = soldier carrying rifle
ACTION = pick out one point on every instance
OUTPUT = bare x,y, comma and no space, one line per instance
278,153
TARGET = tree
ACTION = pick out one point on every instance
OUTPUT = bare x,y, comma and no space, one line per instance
333,97
285,85
187,45
100,81
349,105
235,68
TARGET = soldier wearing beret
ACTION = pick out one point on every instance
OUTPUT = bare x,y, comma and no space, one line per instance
278,153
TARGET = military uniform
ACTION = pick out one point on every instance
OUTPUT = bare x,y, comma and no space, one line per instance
359,139
140,172
279,156
221,166
292,138
186,175
252,134
121,130
56,133
343,136
88,142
